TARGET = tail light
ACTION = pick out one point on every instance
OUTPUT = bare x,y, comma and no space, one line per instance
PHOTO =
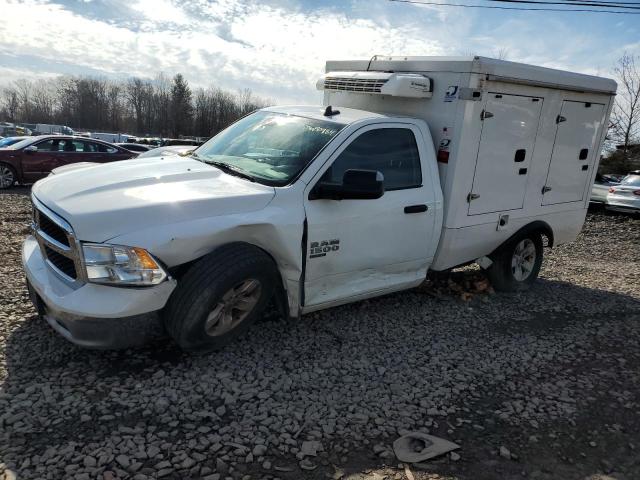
612,190
443,156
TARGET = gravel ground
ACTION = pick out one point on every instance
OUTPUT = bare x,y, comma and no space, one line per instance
541,385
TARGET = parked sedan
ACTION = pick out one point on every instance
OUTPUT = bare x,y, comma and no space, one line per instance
34,157
625,197
600,188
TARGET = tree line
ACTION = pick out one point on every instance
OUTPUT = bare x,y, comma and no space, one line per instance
162,106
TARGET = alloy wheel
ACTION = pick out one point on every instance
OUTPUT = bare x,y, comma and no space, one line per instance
233,308
523,260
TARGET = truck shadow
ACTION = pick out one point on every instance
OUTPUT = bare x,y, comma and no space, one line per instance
51,385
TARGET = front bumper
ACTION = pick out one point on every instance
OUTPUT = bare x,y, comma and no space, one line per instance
91,315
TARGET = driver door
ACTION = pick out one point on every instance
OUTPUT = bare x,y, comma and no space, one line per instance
361,248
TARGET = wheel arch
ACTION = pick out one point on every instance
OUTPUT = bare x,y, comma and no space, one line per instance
281,297
539,226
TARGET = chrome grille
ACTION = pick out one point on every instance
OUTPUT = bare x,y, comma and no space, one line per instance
62,263
364,85
57,243
53,230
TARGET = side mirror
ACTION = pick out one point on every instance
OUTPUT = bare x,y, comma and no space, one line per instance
30,149
356,185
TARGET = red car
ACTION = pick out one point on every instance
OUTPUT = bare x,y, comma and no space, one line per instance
34,158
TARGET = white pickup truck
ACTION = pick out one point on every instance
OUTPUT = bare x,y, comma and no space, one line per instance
413,163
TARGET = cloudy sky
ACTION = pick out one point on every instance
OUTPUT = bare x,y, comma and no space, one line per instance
277,48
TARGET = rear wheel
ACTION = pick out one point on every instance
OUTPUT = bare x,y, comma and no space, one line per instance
516,266
7,176
220,297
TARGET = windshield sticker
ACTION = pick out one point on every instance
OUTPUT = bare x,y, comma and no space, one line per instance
321,130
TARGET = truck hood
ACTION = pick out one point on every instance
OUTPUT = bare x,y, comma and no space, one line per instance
105,201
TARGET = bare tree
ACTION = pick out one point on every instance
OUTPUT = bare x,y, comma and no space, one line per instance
501,54
625,118
11,104
138,91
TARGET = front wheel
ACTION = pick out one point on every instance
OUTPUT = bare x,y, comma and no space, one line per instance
516,266
220,297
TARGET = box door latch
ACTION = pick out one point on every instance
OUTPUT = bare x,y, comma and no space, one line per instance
485,114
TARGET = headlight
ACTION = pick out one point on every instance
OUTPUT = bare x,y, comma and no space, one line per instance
119,265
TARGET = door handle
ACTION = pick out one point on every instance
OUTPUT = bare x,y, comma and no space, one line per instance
522,171
416,208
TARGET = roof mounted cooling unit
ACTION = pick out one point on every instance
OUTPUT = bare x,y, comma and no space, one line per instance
408,85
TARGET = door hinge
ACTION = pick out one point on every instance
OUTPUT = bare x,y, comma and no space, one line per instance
485,114
560,119
545,189
472,196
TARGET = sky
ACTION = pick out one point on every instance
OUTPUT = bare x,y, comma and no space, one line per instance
277,48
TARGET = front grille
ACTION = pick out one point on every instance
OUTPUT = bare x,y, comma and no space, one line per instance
57,242
364,85
52,229
62,263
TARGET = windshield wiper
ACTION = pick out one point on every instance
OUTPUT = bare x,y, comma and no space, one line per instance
230,169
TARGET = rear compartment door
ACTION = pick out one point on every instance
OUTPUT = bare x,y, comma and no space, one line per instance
509,127
577,134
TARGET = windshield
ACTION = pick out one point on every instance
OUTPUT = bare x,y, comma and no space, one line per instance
270,148
21,143
631,180
6,142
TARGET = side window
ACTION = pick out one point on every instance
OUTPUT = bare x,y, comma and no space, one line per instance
79,146
48,146
392,151
68,146
90,147
102,148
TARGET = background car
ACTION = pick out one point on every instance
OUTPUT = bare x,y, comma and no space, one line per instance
8,141
601,187
34,157
625,197
166,151
135,147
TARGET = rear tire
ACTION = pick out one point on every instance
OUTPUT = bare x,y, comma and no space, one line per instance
517,265
8,176
219,297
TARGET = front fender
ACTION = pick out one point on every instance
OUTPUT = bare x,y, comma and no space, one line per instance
277,231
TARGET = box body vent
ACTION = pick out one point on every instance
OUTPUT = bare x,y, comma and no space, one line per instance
408,85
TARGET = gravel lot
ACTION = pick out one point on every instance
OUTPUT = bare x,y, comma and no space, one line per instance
552,376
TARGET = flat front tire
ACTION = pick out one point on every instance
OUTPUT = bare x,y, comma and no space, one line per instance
516,266
219,297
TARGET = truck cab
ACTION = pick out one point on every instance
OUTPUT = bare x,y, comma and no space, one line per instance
317,206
